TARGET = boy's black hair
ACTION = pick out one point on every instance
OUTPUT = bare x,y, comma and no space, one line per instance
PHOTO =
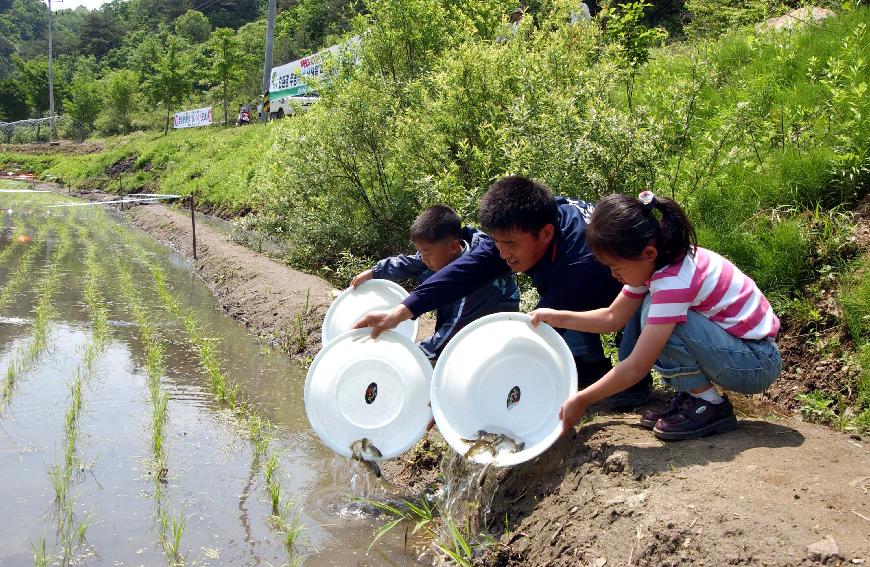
518,203
622,226
436,223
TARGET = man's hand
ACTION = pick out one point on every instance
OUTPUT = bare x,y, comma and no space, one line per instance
362,277
381,321
571,411
543,315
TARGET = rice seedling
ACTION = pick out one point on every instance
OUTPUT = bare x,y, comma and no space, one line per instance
172,529
10,249
225,392
46,287
288,524
40,557
22,269
153,365
269,469
275,497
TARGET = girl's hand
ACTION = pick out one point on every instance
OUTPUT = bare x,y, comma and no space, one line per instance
571,411
362,277
541,316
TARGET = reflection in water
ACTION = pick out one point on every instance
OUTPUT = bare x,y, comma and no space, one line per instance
243,509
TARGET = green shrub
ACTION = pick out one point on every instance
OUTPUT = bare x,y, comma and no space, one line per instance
854,300
715,17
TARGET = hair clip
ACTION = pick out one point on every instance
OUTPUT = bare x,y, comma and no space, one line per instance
647,199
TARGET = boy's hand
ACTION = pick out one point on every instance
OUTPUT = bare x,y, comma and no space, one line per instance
362,277
381,321
541,316
571,411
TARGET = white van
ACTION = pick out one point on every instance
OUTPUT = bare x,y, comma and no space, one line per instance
288,105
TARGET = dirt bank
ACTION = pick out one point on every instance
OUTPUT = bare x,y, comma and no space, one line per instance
775,492
762,495
270,298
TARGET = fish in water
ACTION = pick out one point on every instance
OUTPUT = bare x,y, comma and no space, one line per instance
365,452
491,442
511,445
479,447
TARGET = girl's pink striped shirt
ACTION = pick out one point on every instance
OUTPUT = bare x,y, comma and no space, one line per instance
709,284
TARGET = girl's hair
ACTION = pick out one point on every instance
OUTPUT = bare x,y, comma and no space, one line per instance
621,226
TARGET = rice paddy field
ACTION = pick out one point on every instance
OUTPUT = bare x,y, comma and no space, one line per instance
141,426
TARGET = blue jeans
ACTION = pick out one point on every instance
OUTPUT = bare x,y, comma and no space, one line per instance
585,346
700,352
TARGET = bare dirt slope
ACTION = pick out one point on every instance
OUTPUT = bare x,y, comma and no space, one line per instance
768,494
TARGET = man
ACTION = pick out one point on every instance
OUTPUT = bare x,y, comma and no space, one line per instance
543,236
440,239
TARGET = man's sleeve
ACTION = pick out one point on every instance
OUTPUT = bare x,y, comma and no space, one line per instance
398,268
462,276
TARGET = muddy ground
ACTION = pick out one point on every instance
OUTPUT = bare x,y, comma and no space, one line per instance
775,492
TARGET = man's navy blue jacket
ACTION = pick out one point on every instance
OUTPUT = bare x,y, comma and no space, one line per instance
567,277
493,296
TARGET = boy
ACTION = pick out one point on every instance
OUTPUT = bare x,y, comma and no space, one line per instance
440,238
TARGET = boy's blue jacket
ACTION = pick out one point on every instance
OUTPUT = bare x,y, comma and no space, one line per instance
567,277
498,293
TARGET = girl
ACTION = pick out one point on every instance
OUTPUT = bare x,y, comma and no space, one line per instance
687,312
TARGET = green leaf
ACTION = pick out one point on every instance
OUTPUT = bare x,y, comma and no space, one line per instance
383,531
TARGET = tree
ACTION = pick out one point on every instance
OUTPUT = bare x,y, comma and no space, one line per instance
172,78
33,75
121,88
632,39
226,69
99,33
13,100
83,105
193,26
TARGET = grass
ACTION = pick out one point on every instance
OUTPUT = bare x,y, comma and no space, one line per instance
459,548
421,515
854,300
219,164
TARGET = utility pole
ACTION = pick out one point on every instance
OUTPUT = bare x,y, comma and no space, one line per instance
50,82
267,63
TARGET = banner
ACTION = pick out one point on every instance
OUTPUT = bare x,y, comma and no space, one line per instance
290,79
193,118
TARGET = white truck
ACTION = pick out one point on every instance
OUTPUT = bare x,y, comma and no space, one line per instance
291,85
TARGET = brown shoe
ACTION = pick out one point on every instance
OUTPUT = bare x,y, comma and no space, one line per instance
650,417
697,418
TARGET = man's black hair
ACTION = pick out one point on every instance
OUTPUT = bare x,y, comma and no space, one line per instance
436,223
518,203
